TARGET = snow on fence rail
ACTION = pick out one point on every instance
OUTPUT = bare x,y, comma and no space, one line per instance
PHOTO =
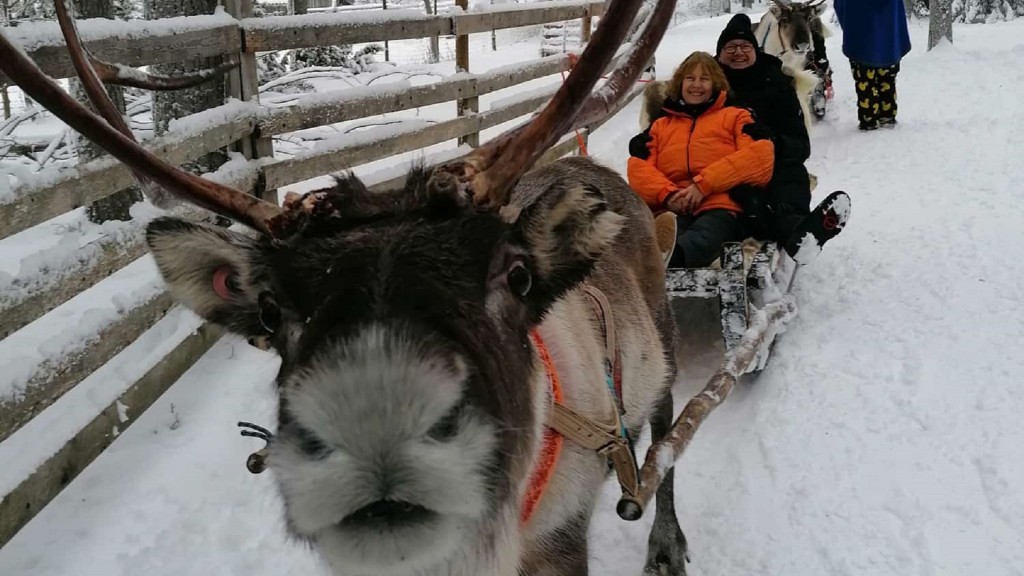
132,43
243,125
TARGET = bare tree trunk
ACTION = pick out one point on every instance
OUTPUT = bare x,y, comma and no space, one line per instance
435,48
940,22
117,205
168,106
6,101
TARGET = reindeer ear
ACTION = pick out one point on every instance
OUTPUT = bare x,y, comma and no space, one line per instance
214,272
565,230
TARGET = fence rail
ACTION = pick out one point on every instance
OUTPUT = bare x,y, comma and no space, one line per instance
244,125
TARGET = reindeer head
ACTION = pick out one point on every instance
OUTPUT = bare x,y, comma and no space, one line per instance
407,396
408,388
794,20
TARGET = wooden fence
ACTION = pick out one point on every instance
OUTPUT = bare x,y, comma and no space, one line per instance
245,126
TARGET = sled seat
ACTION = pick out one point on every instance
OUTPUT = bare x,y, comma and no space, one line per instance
746,276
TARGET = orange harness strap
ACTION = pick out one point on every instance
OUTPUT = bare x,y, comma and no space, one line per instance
607,439
553,441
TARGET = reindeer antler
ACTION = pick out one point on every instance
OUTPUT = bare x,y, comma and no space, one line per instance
86,66
491,171
116,138
127,76
602,103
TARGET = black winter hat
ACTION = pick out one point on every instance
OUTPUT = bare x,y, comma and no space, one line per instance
738,28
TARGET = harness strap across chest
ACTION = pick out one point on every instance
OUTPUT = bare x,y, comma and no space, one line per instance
610,440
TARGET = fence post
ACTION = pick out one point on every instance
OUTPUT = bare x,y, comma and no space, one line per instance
244,84
465,106
387,47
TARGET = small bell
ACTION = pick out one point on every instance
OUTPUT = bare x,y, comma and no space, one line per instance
256,463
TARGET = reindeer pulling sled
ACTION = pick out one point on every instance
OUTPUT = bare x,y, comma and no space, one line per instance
465,357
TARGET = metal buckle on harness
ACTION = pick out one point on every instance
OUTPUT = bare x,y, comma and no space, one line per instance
621,456
605,440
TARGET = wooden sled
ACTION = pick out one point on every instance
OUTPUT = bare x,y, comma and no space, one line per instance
749,276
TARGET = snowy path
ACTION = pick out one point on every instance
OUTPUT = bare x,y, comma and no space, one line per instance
883,439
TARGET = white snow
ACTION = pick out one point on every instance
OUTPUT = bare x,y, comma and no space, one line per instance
19,184
230,111
342,18
884,436
482,7
664,457
31,36
809,249
43,255
47,433
36,350
842,207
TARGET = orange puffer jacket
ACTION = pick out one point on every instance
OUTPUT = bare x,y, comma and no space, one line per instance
711,150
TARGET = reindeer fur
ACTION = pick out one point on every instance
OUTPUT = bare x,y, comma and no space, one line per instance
407,375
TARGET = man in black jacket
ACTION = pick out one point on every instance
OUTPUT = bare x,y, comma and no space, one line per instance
782,212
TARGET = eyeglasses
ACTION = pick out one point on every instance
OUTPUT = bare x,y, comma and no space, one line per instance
745,47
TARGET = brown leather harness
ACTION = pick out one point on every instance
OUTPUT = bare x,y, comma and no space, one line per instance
609,439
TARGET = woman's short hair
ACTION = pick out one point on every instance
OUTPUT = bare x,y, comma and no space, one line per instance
693,61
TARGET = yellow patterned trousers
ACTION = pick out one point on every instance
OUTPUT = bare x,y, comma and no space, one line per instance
876,94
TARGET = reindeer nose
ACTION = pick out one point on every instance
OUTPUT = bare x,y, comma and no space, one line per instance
388,513
803,47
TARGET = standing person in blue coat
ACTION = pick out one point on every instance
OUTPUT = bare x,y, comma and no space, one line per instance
875,39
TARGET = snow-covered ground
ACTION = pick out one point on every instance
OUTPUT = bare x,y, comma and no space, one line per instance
884,438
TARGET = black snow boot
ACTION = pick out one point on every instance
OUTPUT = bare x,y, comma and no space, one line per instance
824,223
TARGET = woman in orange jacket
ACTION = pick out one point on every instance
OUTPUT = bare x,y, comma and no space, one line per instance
697,152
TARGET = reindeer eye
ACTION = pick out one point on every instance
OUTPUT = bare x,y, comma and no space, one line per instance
269,312
226,283
519,279
446,427
310,444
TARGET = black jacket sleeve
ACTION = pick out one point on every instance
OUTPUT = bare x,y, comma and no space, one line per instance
791,140
638,144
